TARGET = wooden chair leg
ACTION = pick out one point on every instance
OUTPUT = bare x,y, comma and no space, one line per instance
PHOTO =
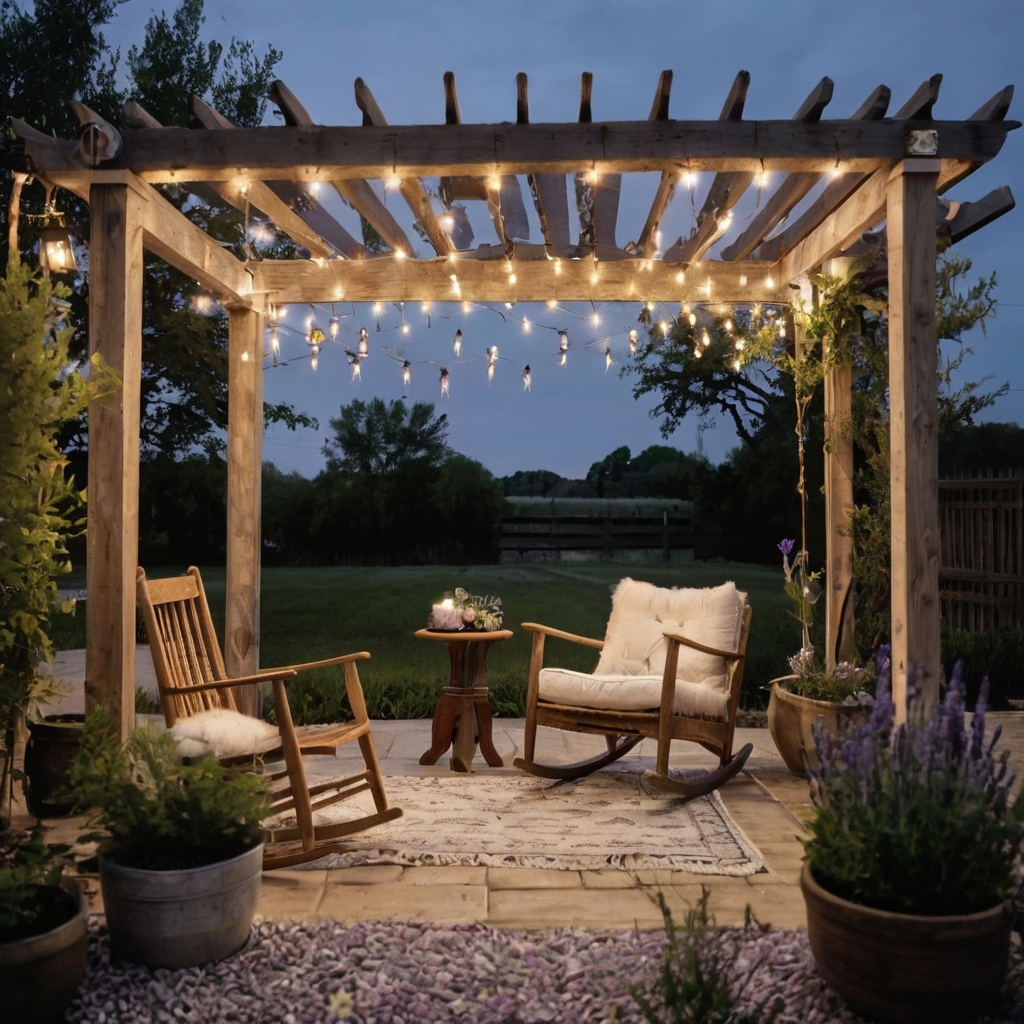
700,785
369,752
578,768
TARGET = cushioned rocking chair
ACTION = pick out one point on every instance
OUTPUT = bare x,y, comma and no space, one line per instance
671,668
200,710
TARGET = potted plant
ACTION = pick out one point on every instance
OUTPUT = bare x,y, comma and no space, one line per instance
812,692
914,854
181,851
42,931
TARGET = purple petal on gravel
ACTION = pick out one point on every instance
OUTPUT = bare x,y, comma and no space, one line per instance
411,973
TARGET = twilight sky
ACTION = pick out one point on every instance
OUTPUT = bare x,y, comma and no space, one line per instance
578,413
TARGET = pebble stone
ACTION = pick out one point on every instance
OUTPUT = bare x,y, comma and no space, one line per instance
414,973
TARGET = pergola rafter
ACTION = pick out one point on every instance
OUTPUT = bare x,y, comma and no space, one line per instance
873,169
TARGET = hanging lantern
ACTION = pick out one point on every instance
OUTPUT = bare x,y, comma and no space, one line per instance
55,250
445,381
527,378
458,343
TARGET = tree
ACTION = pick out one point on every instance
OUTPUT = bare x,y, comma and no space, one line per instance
39,507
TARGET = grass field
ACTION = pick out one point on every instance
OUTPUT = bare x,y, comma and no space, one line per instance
308,614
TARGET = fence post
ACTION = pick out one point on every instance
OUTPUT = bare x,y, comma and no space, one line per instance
666,550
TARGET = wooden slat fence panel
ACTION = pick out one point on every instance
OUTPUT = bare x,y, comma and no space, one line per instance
981,575
553,535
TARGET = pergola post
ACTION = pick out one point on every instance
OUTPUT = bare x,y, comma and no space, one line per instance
913,438
245,464
838,388
115,334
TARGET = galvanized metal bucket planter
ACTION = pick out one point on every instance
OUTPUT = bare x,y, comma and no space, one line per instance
908,968
39,975
184,917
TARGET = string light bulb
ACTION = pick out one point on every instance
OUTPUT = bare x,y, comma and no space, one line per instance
607,357
364,342
634,340
275,344
492,358
445,382
334,327
563,347
705,338
527,378
728,325
406,373
314,357
692,319
740,344
458,343
357,368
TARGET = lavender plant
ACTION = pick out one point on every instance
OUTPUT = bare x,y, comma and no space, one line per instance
916,818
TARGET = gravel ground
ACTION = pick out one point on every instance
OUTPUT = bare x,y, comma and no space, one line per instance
387,973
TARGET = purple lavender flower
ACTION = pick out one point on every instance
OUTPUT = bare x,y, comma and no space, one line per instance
786,546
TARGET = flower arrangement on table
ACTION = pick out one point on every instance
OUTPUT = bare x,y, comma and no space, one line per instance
467,611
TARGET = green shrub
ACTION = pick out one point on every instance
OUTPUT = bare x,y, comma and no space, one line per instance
27,866
158,814
999,655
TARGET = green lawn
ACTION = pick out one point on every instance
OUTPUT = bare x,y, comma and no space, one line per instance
308,614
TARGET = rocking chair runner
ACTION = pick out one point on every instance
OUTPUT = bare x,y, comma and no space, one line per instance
671,668
199,707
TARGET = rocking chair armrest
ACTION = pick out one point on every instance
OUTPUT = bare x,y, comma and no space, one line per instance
534,627
222,684
340,660
687,642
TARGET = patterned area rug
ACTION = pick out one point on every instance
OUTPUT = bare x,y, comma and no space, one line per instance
611,819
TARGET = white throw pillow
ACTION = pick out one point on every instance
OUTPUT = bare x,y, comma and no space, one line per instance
642,613
221,732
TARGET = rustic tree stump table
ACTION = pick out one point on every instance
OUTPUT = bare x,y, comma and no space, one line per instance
463,714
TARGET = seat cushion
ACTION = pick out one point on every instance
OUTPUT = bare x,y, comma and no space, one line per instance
634,643
630,693
221,732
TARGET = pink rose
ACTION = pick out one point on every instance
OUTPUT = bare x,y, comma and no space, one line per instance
468,616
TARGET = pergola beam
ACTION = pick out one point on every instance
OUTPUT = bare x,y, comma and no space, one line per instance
324,153
396,280
357,192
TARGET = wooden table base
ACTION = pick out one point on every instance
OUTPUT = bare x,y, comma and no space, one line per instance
462,718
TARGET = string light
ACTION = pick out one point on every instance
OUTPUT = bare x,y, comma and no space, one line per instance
664,328
552,303
607,357
740,344
492,358
728,325
406,373
698,352
705,338
680,277
364,342
634,340
393,182
314,357
563,347
692,319
275,344
769,282
527,378
357,368
445,381
494,183
458,343
334,327
399,254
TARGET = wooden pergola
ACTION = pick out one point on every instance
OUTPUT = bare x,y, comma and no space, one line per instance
872,168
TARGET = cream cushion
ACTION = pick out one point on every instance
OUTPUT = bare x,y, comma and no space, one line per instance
629,693
221,732
629,673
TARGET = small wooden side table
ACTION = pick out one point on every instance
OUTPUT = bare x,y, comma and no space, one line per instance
463,714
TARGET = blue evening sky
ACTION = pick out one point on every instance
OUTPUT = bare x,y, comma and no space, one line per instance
578,413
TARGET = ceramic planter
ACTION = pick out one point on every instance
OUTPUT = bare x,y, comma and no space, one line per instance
908,968
52,746
181,918
790,718
39,975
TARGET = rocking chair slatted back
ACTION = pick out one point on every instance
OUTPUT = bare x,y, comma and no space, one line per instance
184,644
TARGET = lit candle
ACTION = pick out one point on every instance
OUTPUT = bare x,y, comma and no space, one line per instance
446,616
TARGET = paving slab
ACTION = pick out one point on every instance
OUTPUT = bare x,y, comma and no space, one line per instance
581,908
532,878
443,904
291,895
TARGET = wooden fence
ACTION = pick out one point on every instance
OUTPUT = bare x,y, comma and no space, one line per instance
981,574
557,538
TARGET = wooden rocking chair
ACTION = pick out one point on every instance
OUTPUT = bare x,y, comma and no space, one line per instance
671,668
199,706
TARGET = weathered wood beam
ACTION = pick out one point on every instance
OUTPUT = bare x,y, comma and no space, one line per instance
913,432
98,140
918,107
667,182
239,196
605,188
727,188
319,154
974,216
486,280
245,464
843,228
357,192
112,536
795,186
374,124
549,196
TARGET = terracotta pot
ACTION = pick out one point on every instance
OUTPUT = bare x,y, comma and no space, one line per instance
908,968
790,718
39,975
